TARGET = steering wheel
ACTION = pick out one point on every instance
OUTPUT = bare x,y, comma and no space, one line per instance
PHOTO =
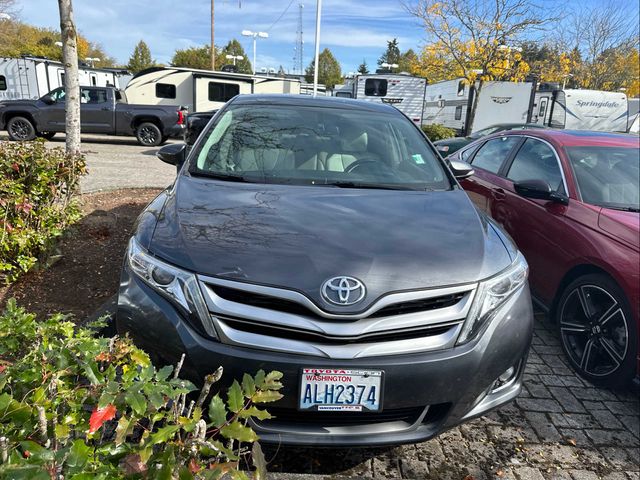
360,163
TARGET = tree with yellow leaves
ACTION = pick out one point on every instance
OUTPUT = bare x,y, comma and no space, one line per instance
473,39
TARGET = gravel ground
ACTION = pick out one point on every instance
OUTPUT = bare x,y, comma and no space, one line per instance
119,162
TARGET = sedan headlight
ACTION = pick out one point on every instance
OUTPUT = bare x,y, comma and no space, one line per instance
491,295
177,285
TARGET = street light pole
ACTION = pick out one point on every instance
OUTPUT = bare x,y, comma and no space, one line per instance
255,35
213,47
317,53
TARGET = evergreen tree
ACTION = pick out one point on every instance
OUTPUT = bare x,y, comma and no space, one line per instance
329,72
392,54
408,61
363,69
141,58
234,48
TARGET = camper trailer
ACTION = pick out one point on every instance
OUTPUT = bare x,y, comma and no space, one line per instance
30,78
449,102
403,91
200,90
580,109
633,125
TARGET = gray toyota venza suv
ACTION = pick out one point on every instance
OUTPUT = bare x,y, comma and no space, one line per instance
325,238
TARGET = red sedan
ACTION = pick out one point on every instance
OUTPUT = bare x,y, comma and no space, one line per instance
570,201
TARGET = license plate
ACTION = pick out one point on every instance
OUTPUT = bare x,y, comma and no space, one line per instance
338,390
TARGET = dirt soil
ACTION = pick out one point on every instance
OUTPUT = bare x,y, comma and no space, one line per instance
87,259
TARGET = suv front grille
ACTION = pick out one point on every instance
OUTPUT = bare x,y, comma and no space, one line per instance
282,320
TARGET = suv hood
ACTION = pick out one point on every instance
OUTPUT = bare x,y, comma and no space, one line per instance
297,237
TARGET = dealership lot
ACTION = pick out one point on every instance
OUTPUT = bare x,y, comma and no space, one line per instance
559,428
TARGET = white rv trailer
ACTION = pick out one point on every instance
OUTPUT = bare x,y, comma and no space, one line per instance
581,109
633,125
32,77
200,90
403,91
449,102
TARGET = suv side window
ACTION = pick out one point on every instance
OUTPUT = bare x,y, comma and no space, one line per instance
536,161
492,154
466,155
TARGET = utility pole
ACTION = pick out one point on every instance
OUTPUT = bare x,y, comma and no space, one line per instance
213,45
298,57
71,82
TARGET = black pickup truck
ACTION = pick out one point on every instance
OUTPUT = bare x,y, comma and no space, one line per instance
102,110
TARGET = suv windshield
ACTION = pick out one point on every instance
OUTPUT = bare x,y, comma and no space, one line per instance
607,176
318,146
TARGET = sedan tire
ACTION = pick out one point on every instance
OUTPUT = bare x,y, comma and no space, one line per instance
21,129
598,331
148,134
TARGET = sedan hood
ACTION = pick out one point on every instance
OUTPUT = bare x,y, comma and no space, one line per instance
297,237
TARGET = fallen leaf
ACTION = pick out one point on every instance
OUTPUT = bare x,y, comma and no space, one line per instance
194,467
572,441
99,416
500,473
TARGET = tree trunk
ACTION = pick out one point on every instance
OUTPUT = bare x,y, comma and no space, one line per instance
474,107
71,82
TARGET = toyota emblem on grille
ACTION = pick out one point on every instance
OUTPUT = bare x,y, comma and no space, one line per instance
343,291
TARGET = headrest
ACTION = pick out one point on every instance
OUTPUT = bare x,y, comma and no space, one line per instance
353,139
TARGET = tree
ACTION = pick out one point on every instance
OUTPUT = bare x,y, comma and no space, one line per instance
17,39
363,69
408,62
71,80
473,39
234,47
7,7
193,57
329,72
140,58
392,54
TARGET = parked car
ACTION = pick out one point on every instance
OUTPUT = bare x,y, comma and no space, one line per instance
326,239
448,146
102,110
569,200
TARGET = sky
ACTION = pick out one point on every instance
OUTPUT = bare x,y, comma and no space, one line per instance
353,30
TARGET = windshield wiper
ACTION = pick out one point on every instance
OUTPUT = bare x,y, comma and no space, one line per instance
622,209
372,186
221,176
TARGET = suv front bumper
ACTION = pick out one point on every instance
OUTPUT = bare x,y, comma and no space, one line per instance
423,394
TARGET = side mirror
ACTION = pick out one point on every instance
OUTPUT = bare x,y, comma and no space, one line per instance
460,169
48,99
540,190
173,154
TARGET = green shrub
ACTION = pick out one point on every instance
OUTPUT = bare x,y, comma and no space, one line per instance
78,407
36,189
438,132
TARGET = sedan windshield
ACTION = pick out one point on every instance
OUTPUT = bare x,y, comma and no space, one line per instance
336,147
607,176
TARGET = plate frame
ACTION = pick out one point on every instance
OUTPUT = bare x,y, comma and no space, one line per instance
364,410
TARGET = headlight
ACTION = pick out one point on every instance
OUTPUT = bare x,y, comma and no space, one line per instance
178,286
491,295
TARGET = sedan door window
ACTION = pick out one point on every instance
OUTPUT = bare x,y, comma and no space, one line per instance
536,161
492,154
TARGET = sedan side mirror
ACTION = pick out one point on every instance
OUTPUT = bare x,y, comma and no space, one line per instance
48,99
173,154
460,169
539,189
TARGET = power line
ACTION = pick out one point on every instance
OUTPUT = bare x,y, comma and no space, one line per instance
280,17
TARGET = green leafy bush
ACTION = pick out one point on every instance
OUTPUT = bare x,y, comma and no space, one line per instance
438,132
78,407
36,189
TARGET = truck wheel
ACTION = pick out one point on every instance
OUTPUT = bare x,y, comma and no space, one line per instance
598,332
148,134
47,135
21,129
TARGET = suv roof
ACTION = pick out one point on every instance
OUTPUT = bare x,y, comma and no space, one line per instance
309,101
